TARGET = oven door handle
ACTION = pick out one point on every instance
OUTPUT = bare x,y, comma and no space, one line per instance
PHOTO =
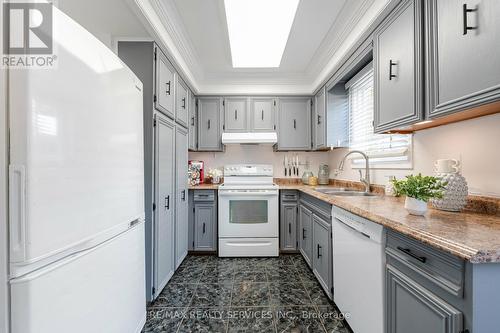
247,194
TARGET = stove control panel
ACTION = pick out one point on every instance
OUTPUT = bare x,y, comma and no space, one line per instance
248,170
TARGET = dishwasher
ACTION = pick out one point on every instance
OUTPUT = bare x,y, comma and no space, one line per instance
358,271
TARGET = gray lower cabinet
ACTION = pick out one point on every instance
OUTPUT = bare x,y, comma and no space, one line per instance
210,124
289,211
463,52
164,84
294,123
193,120
181,102
305,234
204,221
262,114
181,195
164,198
319,121
398,68
411,308
235,114
322,261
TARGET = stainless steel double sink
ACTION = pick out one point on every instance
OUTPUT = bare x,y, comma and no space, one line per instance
345,192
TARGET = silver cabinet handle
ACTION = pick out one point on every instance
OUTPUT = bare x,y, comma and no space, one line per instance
319,119
203,227
208,123
183,195
184,103
318,249
192,121
262,114
235,114
294,124
167,202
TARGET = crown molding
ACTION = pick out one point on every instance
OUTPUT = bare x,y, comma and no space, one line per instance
164,21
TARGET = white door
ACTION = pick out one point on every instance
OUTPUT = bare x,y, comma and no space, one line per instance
164,201
181,207
248,214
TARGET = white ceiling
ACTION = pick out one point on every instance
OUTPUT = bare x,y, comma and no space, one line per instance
108,20
206,27
194,33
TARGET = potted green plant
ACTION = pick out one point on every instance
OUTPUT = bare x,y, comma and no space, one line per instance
418,190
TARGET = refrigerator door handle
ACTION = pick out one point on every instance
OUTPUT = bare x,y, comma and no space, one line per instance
17,215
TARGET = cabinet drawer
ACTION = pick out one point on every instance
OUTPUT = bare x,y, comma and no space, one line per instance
204,195
289,196
440,268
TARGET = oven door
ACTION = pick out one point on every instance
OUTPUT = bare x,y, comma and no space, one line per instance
248,213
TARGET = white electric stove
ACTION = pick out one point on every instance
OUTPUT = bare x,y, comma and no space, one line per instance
248,212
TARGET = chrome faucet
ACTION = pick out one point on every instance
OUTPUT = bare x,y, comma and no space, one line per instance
366,180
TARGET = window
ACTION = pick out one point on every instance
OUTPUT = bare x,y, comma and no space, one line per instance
384,150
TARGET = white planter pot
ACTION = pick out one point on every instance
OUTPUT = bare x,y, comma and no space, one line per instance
415,206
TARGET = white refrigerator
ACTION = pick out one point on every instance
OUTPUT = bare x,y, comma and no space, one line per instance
76,194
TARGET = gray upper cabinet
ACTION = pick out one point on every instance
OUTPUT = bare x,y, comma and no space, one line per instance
181,102
294,123
193,120
398,68
305,234
411,308
209,124
164,85
319,120
463,52
262,114
235,114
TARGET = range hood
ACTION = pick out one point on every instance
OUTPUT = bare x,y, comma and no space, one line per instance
246,138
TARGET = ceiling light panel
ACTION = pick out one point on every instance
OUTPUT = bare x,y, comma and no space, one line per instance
259,30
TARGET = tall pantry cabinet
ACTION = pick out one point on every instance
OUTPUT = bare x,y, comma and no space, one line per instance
166,109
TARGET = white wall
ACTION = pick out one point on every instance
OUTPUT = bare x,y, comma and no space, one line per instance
4,290
237,154
475,142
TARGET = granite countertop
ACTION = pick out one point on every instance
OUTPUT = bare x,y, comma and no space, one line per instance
204,187
471,236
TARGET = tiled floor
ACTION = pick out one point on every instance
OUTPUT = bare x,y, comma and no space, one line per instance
210,294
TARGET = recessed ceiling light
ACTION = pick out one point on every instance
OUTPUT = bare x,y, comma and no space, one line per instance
259,30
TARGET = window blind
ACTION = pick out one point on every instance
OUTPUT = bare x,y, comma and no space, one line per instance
381,148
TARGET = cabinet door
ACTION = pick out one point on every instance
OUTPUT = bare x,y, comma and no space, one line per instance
321,252
319,120
289,226
294,125
413,309
164,262
164,84
193,120
204,221
398,68
181,102
262,115
464,70
181,195
209,124
306,237
235,114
